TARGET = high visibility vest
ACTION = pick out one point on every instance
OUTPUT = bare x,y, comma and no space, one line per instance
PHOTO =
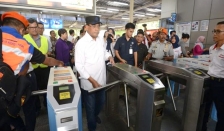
43,48
15,49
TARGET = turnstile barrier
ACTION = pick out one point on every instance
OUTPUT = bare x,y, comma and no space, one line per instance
197,92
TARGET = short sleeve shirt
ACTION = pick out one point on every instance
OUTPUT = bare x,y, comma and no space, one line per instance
159,50
216,67
123,46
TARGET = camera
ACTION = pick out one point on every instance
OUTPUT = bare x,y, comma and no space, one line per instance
109,36
144,25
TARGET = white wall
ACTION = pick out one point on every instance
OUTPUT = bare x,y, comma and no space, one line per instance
168,7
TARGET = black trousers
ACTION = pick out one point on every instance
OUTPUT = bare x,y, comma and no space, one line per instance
217,90
42,75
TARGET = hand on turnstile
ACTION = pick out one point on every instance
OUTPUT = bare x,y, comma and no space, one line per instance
96,84
61,64
111,59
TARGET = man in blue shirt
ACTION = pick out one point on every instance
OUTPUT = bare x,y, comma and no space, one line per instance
126,47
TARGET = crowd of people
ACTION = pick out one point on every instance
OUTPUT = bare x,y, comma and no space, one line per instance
88,52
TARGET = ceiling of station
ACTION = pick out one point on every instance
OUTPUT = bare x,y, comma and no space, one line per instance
113,13
119,9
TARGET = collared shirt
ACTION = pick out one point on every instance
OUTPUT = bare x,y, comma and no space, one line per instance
216,67
142,53
62,50
159,50
37,41
71,38
123,46
90,57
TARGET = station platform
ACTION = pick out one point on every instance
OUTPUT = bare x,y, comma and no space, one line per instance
171,119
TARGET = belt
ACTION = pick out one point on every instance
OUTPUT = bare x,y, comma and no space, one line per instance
216,79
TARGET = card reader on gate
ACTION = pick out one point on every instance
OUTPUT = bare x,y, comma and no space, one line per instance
64,94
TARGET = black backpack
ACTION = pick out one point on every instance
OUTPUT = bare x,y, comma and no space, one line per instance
14,90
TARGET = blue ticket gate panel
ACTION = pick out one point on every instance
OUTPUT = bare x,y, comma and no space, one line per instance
64,100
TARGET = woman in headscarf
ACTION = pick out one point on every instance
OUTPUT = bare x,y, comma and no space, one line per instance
176,47
199,46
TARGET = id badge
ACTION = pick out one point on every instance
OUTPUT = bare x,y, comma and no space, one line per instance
130,51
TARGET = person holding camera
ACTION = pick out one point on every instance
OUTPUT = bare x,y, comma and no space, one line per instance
110,40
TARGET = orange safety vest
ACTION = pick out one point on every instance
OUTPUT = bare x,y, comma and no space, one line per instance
15,49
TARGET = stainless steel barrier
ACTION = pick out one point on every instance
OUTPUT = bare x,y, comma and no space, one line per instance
150,96
196,92
106,86
39,92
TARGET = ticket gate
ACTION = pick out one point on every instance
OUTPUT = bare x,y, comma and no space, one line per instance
64,100
196,94
150,97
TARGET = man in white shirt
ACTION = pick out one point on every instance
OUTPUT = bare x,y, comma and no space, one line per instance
216,71
90,57
71,36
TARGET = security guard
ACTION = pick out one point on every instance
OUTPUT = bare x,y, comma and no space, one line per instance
126,47
216,71
41,70
161,49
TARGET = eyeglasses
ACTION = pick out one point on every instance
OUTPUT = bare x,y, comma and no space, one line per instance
40,28
217,31
32,27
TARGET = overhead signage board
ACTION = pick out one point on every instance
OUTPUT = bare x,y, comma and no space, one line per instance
73,6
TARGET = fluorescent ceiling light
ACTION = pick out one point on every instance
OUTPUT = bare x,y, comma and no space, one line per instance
118,3
106,10
125,18
98,15
112,9
139,15
150,14
158,10
118,26
154,10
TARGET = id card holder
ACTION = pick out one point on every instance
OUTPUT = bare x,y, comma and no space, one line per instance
130,51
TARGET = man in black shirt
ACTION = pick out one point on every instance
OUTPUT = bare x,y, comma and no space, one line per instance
142,49
126,47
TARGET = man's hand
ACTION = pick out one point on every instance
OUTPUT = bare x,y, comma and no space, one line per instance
167,58
111,59
61,64
147,57
206,49
95,84
123,61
